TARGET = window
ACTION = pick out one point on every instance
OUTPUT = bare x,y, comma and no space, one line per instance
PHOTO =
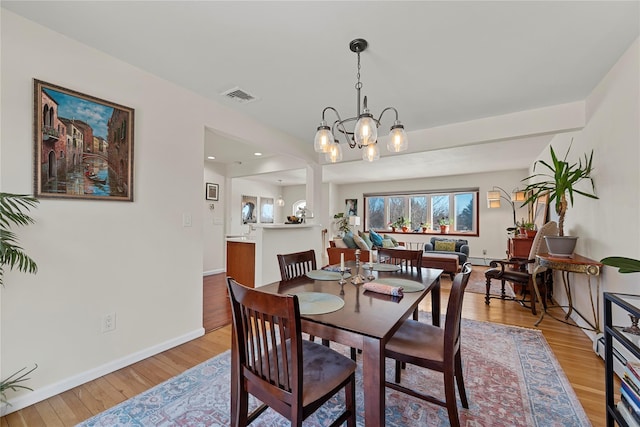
459,206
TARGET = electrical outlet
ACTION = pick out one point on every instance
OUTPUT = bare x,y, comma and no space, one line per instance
484,252
109,322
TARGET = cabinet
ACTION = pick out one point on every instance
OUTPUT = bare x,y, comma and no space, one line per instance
630,304
519,247
241,262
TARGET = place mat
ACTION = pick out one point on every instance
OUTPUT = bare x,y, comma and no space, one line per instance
406,285
386,267
318,302
326,275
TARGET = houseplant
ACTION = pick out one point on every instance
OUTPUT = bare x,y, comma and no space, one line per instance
13,208
444,225
559,182
402,223
425,226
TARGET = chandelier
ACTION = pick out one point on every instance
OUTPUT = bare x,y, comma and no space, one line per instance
364,133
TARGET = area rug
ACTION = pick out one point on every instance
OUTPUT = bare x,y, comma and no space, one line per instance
511,375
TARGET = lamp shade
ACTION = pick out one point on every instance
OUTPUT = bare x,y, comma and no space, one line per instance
324,138
398,140
280,201
518,196
493,195
334,153
371,152
366,131
491,204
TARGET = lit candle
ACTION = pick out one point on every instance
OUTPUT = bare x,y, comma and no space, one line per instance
341,261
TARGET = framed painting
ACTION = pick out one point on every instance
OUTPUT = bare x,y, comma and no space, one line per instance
351,207
83,145
211,192
248,209
541,210
266,210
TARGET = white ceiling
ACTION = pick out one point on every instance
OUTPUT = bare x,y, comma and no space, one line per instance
438,63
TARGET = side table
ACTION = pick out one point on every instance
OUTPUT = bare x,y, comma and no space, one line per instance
575,264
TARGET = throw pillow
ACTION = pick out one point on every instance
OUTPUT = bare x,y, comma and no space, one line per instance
395,242
340,243
445,246
387,243
375,238
360,243
365,237
348,240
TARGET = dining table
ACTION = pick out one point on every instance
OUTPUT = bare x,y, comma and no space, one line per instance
367,319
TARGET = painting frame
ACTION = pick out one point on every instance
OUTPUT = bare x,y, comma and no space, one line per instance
211,191
83,145
266,210
248,210
350,207
541,210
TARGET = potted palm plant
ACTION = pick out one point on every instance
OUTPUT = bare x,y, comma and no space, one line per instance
559,181
13,212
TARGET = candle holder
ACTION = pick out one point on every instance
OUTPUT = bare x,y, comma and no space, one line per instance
342,272
358,278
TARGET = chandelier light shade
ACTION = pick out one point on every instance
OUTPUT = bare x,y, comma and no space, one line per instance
365,130
280,200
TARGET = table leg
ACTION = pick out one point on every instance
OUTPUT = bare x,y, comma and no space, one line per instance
373,382
567,288
435,303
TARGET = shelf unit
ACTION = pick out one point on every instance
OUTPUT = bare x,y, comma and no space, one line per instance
630,304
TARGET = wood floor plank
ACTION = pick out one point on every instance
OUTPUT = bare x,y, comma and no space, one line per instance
572,348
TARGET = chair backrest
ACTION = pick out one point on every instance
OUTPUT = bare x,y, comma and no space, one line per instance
539,244
407,258
261,323
296,264
454,311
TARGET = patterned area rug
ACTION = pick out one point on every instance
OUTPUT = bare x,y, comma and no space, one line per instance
511,375
477,284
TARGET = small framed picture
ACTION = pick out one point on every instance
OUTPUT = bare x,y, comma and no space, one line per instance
212,191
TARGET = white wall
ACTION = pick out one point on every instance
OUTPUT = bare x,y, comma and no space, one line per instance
608,226
213,229
97,257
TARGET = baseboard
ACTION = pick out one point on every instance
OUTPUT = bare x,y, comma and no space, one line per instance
46,392
212,272
479,261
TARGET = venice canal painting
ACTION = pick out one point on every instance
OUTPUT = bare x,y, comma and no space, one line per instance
83,145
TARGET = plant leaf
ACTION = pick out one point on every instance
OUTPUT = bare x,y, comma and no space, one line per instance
624,265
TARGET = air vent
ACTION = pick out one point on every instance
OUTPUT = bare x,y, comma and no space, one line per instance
239,95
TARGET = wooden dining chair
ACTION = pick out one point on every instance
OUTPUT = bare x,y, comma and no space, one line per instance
296,264
434,348
292,376
521,271
406,258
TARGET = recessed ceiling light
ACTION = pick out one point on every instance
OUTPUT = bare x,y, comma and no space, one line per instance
257,154
211,157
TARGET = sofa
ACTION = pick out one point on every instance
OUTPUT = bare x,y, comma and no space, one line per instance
337,247
443,245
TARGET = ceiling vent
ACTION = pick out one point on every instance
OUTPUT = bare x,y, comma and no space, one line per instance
239,95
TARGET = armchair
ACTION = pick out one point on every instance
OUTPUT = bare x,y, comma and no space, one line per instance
442,245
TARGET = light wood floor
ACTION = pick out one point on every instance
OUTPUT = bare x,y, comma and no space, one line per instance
573,349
